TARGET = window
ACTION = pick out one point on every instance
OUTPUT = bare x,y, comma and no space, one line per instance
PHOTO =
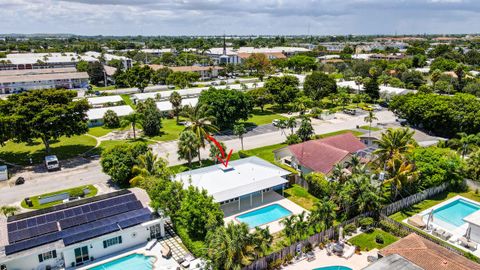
47,255
112,241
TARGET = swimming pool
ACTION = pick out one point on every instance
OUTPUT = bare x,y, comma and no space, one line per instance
335,267
454,212
264,215
134,261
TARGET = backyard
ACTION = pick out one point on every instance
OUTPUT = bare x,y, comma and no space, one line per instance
300,196
368,240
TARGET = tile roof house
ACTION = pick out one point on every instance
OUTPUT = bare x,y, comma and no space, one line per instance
428,255
320,155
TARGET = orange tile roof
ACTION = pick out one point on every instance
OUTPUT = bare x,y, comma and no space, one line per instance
428,255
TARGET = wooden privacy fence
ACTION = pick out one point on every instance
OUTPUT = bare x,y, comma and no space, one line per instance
331,233
413,199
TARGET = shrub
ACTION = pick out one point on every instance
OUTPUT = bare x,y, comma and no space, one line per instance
111,120
293,139
318,185
275,264
350,228
76,192
366,222
379,239
243,154
391,228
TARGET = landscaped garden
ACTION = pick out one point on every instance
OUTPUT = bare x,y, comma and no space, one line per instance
376,238
72,192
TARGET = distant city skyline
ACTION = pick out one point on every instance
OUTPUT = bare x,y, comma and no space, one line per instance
242,17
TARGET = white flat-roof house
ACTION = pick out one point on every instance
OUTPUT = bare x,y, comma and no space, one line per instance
95,115
166,106
127,62
104,100
78,232
43,60
241,180
52,78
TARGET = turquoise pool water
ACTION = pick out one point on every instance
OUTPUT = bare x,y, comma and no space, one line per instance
134,261
336,267
264,215
454,212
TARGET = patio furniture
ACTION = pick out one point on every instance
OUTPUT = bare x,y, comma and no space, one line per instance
187,259
166,252
151,244
446,236
310,256
416,221
438,232
348,252
467,243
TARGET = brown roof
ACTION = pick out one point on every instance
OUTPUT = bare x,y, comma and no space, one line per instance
44,77
278,55
187,68
428,255
321,155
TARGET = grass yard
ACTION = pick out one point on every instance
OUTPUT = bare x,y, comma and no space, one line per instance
100,131
102,88
64,148
170,130
265,152
300,196
262,118
128,101
366,241
354,132
419,207
72,191
370,128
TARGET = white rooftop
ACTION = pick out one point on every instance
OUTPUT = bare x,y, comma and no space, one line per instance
473,218
232,51
165,106
98,113
32,58
243,177
103,100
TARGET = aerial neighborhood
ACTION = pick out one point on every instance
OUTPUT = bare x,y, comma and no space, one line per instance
233,151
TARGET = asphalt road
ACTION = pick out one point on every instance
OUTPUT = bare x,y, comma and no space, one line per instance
39,182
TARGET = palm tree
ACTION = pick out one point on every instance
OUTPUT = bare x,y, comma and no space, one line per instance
282,124
262,240
466,140
435,76
176,100
323,213
289,226
8,210
400,173
239,130
133,119
301,226
200,124
147,166
394,141
188,146
291,124
358,82
369,119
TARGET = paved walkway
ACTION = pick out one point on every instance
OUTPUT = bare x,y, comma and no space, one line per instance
174,242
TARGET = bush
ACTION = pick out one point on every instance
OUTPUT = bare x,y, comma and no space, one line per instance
118,161
350,228
293,139
243,154
366,222
76,192
318,185
196,247
379,239
275,264
111,120
390,228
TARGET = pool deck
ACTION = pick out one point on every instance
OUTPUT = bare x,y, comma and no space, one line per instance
231,210
456,232
356,262
159,264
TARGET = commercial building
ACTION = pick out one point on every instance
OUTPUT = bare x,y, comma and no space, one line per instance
78,232
30,79
20,61
241,180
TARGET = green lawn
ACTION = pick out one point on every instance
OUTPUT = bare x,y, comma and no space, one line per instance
265,152
126,98
100,131
64,148
300,196
36,204
366,241
102,88
354,132
417,208
170,130
262,118
370,128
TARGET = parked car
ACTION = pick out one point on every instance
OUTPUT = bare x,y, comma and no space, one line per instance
20,181
51,163
214,83
171,87
275,122
350,111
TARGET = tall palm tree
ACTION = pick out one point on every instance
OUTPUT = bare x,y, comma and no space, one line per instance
262,240
239,130
176,100
301,226
8,210
394,141
326,210
200,124
358,82
188,146
291,124
147,166
132,119
400,173
466,140
369,119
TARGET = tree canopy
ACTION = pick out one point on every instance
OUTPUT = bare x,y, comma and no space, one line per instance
284,89
319,85
119,160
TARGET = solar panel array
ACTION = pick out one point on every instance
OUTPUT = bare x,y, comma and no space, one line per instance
77,224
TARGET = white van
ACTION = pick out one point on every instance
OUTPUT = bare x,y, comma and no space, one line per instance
51,163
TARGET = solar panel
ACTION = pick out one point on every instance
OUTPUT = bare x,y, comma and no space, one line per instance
27,244
20,235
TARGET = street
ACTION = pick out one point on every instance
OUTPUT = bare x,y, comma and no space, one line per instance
91,172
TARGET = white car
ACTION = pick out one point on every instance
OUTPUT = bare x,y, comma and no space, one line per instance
51,163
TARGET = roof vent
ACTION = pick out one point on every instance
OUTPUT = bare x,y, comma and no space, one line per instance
226,169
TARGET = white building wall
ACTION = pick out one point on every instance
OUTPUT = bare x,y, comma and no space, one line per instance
475,233
30,262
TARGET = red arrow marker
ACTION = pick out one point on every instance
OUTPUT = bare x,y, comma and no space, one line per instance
224,160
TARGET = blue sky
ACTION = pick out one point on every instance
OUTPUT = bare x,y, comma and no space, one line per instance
214,17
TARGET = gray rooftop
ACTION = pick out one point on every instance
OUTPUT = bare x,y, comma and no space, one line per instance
393,262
